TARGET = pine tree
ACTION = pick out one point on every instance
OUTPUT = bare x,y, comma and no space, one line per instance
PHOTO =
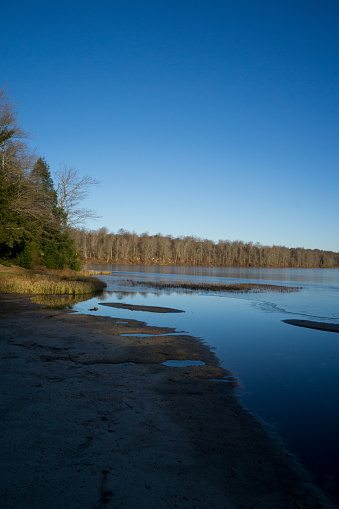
55,248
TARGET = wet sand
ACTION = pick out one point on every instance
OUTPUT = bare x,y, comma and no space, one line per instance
92,419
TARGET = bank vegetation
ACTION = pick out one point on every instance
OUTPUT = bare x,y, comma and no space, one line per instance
40,282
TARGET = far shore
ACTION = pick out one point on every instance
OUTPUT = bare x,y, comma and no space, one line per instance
92,418
89,262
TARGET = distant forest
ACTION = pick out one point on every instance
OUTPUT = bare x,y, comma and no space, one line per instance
129,248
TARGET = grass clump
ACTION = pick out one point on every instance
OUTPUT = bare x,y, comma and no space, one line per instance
49,283
217,287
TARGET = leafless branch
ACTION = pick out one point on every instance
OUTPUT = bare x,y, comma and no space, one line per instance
72,189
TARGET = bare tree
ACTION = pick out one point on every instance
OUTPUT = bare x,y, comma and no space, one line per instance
72,189
10,130
17,162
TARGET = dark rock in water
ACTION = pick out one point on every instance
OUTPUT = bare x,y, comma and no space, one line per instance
329,327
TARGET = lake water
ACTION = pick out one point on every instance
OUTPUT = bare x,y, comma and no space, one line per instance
289,376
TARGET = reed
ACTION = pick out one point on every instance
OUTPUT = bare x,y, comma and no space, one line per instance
217,287
48,283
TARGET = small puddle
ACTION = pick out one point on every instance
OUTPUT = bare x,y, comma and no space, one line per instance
182,364
136,335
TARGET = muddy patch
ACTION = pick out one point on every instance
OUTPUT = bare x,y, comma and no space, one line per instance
133,307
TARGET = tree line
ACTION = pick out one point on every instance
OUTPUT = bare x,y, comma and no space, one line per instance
125,247
35,218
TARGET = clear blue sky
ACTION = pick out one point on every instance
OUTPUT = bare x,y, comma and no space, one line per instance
218,119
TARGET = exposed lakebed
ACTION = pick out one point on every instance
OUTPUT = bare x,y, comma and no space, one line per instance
289,375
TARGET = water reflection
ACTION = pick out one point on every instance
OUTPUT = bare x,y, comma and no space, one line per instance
61,301
316,276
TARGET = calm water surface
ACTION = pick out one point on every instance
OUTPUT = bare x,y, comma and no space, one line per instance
289,376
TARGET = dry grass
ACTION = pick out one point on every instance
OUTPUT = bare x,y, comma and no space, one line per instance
97,272
43,282
218,287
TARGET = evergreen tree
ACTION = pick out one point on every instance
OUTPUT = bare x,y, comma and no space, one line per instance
32,226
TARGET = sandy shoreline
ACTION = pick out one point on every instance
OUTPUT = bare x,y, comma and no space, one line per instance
92,419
